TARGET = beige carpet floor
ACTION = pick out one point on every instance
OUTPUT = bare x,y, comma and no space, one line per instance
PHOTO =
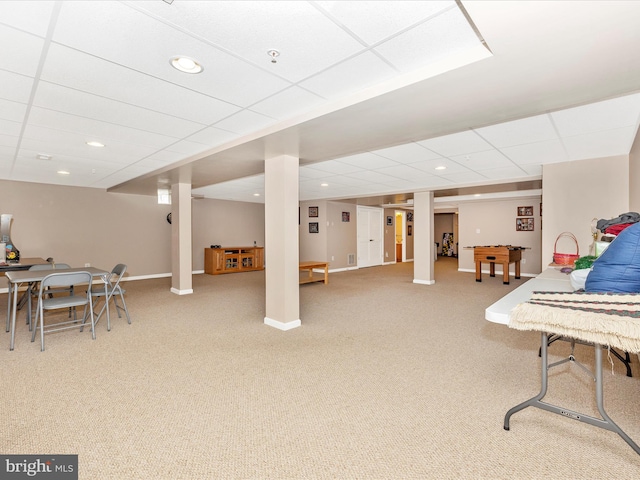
385,379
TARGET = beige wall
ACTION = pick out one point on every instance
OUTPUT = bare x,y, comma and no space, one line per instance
313,246
634,176
343,239
389,236
226,223
574,193
86,225
494,223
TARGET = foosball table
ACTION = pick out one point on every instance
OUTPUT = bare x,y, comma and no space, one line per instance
502,254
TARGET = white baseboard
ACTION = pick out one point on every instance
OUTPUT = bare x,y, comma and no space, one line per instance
282,326
424,282
182,292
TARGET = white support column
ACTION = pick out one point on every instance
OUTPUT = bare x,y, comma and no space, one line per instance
181,256
423,242
281,242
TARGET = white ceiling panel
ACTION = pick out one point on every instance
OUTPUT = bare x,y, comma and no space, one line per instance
75,102
483,160
25,59
212,136
15,87
465,178
507,172
297,29
405,172
374,21
600,144
12,111
359,72
334,167
10,141
445,34
369,161
551,151
462,143
30,16
519,132
8,127
407,153
90,74
429,166
290,102
607,115
107,132
245,122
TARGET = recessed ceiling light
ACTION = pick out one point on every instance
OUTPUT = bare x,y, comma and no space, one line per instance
95,144
441,167
324,184
477,195
43,156
185,64
256,194
63,172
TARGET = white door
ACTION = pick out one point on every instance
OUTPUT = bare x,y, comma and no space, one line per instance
370,244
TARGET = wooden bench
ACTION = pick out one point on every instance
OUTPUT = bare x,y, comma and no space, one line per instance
310,266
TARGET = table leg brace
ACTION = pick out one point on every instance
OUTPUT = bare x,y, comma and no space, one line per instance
605,422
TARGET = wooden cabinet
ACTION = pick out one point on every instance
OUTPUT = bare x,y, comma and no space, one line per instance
233,259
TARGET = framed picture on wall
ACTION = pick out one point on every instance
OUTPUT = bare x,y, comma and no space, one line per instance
524,225
525,211
313,211
409,230
389,220
313,227
346,216
409,216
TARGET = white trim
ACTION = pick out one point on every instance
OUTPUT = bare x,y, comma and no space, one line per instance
181,292
424,282
282,326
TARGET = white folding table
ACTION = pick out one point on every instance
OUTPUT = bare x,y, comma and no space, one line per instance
552,280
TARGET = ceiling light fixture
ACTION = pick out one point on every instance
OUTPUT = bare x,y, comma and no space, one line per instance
63,172
324,184
256,194
441,167
43,156
185,64
273,53
95,144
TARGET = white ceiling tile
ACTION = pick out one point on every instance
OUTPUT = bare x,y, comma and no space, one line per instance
607,115
8,127
506,172
519,132
370,176
483,160
429,166
244,122
461,143
186,148
532,169
12,111
15,87
353,75
407,153
335,167
56,97
373,21
23,60
308,172
550,151
405,172
600,144
464,177
30,16
87,73
212,136
288,103
10,141
88,25
441,36
368,161
105,131
298,30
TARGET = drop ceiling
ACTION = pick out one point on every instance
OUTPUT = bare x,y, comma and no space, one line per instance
371,96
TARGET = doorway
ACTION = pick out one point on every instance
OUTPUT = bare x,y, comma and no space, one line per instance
401,239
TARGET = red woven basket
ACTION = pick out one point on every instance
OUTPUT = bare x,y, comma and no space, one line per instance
565,258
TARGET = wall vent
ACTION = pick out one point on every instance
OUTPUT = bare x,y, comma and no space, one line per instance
351,259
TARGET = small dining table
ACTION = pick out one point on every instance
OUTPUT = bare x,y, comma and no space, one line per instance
17,277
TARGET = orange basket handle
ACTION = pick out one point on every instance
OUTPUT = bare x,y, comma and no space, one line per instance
568,235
